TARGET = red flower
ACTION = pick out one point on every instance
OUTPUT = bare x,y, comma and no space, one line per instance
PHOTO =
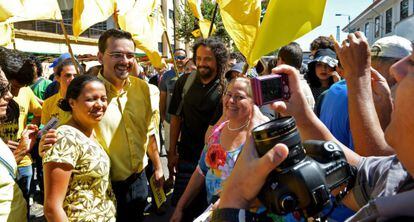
216,156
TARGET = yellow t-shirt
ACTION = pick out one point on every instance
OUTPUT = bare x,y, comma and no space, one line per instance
51,109
12,204
27,102
124,129
89,196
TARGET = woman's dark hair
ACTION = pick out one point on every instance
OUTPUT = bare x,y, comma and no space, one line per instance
220,53
74,90
313,79
17,66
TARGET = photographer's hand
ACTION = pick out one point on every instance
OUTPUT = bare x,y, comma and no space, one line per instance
249,174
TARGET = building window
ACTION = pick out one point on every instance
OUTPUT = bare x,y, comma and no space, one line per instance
171,14
403,9
160,47
377,27
366,29
388,21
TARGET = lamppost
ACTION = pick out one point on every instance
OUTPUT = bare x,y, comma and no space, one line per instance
349,20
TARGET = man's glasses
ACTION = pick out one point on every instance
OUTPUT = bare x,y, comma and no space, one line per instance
120,55
179,57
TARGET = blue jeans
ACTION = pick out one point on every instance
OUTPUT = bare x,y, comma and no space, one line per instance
131,197
23,179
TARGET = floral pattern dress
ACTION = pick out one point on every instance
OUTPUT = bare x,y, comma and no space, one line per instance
216,164
89,195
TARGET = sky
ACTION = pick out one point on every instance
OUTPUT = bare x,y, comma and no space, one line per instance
330,21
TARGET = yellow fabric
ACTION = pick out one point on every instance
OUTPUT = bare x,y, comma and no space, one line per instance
50,109
12,130
12,203
285,21
204,24
9,9
89,196
241,20
89,12
124,129
34,10
6,34
144,22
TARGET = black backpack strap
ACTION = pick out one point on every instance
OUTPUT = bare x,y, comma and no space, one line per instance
188,83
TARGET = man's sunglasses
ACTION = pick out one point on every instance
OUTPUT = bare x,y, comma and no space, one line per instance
179,57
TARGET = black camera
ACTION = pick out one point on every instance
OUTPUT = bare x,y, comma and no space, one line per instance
304,181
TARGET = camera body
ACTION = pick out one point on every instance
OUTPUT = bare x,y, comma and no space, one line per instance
270,88
304,181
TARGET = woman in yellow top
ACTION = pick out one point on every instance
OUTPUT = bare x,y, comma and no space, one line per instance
76,168
12,203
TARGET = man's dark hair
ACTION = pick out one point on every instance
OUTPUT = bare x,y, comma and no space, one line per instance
238,57
17,66
322,42
291,54
66,62
220,53
112,33
180,49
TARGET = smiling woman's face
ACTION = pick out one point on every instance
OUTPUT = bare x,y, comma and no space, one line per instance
5,95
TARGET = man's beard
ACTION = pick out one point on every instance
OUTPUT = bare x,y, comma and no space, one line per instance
205,75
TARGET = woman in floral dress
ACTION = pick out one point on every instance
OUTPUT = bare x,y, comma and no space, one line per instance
76,168
223,146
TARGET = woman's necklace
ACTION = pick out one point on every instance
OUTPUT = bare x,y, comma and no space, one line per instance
238,128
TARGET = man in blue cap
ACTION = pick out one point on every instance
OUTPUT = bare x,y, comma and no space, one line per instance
53,88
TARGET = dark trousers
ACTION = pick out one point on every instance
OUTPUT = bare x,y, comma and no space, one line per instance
131,197
184,171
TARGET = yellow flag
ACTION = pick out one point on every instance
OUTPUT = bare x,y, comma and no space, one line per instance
195,6
89,12
144,22
204,24
6,34
26,10
9,9
286,21
241,19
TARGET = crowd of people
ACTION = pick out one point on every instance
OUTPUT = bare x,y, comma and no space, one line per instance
112,122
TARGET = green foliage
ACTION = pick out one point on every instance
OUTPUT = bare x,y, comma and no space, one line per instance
186,22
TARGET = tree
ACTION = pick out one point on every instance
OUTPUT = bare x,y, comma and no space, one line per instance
187,23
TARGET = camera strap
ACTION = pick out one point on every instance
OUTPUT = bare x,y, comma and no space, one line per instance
188,83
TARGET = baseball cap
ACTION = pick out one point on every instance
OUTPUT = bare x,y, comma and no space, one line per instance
238,67
327,56
60,59
392,47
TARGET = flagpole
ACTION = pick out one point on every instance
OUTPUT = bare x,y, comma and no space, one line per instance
172,53
13,36
212,20
69,47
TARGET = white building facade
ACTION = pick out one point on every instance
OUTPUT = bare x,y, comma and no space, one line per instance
384,18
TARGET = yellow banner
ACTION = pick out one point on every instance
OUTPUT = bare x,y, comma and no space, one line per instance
144,22
241,19
284,22
88,13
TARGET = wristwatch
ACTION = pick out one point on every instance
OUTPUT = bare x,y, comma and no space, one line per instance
229,215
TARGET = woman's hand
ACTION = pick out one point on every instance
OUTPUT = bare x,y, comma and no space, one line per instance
47,141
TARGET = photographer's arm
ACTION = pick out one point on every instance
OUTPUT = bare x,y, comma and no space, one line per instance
308,124
367,133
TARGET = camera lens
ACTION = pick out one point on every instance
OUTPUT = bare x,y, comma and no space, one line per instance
282,130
